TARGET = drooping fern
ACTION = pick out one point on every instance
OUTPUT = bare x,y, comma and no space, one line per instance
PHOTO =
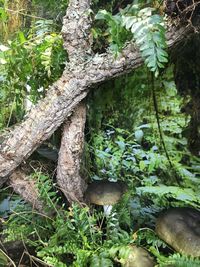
149,34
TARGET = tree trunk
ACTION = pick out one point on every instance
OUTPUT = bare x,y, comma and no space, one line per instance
68,91
78,47
68,170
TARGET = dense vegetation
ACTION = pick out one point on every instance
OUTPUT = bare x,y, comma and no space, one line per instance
135,132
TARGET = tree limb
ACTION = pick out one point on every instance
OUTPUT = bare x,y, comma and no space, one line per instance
76,30
68,170
26,188
78,47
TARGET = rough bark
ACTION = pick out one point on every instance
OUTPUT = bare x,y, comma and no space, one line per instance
26,187
22,185
76,31
78,47
65,94
68,170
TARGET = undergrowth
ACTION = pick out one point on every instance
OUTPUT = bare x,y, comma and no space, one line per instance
123,143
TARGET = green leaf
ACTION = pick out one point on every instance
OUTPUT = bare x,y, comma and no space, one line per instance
182,194
100,261
149,34
136,27
3,259
142,165
128,21
3,15
21,37
139,135
103,14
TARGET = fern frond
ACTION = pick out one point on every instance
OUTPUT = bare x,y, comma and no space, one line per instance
149,34
186,195
177,260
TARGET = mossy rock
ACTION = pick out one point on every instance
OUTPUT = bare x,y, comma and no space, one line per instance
180,228
139,257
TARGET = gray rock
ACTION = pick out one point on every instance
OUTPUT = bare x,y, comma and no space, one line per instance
139,257
180,228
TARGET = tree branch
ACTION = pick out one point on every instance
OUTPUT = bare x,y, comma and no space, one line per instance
76,30
77,44
26,188
68,171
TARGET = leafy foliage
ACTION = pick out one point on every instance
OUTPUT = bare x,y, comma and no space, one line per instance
123,140
29,64
73,237
179,261
185,195
49,10
148,33
118,34
134,154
